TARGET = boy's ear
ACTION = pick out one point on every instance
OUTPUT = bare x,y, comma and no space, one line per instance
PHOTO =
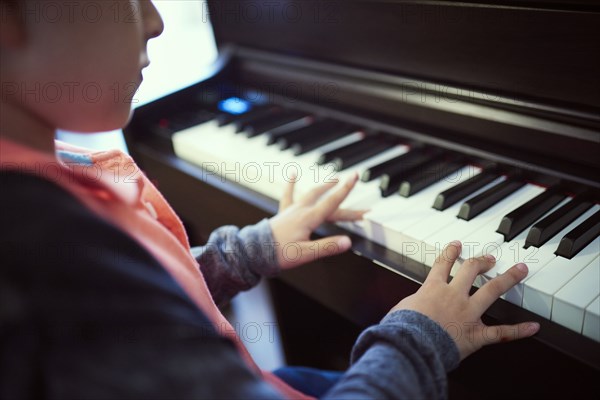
12,25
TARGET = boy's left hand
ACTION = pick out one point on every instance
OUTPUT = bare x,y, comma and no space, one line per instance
295,222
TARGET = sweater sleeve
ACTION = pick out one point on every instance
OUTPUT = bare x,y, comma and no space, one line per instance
235,259
406,356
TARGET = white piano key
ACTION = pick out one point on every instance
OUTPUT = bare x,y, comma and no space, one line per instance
539,290
510,253
424,199
434,220
535,258
591,320
327,172
393,208
385,224
379,223
571,300
461,229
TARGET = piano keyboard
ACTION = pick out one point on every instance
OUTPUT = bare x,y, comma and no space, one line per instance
419,198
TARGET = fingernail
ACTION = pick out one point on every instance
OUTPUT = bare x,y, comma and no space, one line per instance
533,327
490,258
344,242
455,243
521,267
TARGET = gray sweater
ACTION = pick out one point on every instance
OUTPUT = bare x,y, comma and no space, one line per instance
405,356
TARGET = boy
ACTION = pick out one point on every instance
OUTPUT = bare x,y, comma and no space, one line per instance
100,293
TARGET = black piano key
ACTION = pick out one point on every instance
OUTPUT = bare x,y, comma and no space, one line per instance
348,155
257,114
478,204
579,237
348,149
350,159
518,220
394,164
289,127
270,122
309,143
274,134
390,182
545,229
316,128
456,193
430,175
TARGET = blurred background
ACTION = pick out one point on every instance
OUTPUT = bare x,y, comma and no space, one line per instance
179,58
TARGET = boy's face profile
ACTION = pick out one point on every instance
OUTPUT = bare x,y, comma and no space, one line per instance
75,64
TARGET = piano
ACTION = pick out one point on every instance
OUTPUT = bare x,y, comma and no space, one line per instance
471,120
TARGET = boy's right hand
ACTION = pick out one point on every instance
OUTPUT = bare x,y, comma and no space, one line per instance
451,306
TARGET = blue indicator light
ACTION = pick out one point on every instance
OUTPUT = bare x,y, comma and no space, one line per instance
234,105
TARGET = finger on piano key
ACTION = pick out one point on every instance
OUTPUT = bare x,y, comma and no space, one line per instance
571,300
539,288
535,258
511,253
366,194
555,222
312,173
433,173
315,175
286,164
579,237
478,204
507,253
518,220
456,193
591,320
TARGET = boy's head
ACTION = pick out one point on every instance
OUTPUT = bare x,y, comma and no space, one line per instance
75,64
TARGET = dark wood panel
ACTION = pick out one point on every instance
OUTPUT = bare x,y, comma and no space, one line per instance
541,50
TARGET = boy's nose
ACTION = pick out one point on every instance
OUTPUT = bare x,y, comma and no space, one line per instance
154,24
